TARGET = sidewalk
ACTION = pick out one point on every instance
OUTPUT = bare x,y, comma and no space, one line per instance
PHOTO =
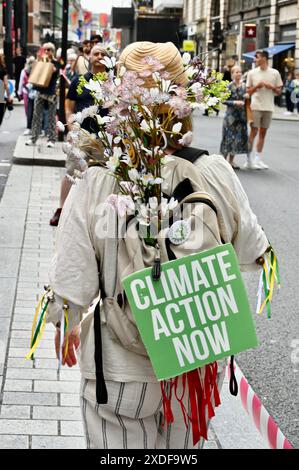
38,154
39,405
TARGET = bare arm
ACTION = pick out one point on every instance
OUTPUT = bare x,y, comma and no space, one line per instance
69,109
6,87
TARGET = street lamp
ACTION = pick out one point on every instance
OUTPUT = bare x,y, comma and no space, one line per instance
65,16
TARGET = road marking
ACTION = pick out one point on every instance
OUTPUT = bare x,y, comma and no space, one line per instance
4,160
3,174
5,164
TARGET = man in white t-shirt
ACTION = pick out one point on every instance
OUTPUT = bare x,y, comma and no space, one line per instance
263,83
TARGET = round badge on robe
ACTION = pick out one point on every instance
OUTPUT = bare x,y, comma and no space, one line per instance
179,232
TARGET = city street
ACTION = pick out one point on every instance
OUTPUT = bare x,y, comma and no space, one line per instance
273,195
272,369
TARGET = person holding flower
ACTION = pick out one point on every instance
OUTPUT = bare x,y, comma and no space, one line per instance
148,126
77,103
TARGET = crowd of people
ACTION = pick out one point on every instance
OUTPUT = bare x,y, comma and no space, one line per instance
248,110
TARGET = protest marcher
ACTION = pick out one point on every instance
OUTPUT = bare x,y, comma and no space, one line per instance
133,416
82,64
234,134
46,99
263,84
289,87
19,62
295,92
26,93
4,87
75,103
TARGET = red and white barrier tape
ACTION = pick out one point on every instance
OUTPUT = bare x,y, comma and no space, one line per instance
260,416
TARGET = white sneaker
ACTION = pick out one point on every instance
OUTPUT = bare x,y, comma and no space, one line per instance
50,144
251,165
27,132
30,142
261,165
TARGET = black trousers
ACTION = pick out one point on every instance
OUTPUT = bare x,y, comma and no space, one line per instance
2,111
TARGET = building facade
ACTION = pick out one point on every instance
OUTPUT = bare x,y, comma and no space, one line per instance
247,25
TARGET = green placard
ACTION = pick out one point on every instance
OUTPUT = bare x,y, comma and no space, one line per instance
196,313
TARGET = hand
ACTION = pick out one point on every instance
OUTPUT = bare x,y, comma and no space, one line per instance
269,86
260,85
10,99
239,103
73,344
246,96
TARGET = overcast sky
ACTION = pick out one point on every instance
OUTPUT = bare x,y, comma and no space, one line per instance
103,6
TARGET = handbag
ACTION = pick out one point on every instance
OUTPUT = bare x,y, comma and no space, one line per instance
41,74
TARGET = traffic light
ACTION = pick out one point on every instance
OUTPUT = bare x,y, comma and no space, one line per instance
217,34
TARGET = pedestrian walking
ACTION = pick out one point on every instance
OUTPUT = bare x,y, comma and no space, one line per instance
4,88
19,62
76,102
289,87
295,92
82,64
25,93
263,84
46,99
133,415
234,133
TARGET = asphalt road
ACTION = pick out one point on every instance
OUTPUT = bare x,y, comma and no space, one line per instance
13,125
273,368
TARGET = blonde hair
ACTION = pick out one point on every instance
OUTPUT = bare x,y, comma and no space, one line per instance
234,68
49,45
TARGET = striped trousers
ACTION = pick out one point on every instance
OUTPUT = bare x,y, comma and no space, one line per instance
133,418
37,120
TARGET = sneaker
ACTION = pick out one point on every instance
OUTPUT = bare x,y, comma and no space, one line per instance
261,165
50,144
27,132
30,142
55,219
250,165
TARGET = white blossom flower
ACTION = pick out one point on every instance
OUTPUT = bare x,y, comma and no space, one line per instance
177,128
60,126
186,139
196,87
134,175
122,204
212,101
144,126
109,62
186,57
103,120
117,139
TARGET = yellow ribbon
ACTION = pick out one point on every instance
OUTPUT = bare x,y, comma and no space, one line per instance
66,322
37,312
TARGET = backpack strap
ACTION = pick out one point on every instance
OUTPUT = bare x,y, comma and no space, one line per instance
190,153
101,390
